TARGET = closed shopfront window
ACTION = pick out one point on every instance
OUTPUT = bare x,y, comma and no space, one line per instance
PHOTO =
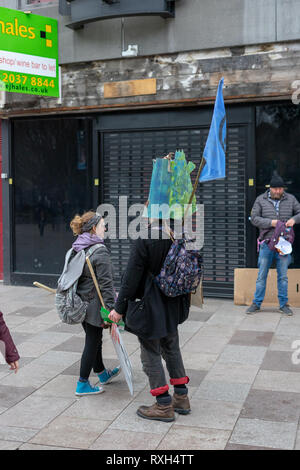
52,182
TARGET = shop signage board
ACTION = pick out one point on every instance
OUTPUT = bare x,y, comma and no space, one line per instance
28,53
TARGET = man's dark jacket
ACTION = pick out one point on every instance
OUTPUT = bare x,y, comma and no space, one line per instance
263,212
148,256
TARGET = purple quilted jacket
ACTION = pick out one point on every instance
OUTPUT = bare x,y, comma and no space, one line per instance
11,353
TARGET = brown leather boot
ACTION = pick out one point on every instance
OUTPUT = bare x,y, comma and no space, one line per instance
181,404
157,412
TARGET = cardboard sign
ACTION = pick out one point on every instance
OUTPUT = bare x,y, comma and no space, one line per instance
130,88
245,283
123,356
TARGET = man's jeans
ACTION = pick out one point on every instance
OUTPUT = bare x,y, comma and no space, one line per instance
265,260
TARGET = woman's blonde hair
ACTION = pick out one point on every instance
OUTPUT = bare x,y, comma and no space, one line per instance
78,222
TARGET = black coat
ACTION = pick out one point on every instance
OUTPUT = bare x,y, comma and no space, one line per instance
148,256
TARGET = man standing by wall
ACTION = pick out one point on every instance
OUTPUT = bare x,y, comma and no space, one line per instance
270,207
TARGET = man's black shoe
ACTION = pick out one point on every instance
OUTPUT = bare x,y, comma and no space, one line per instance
253,309
286,310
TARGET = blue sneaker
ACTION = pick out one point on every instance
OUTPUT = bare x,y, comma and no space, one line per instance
108,375
85,388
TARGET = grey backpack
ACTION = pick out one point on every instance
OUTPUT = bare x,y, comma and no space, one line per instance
70,307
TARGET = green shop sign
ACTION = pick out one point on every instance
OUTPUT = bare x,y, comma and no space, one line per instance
28,53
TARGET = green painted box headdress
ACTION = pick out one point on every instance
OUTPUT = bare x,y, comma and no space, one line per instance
171,188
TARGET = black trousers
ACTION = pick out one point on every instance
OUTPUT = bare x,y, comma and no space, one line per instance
92,353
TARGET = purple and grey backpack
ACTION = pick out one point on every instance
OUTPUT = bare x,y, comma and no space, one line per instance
182,270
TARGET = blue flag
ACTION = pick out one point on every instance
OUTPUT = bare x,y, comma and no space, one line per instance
215,147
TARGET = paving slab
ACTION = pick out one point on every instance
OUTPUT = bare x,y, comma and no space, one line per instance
288,329
280,360
244,383
260,322
193,438
30,326
189,326
128,420
32,311
252,338
15,433
75,368
201,316
245,447
74,344
214,414
20,338
199,361
9,445
41,447
33,349
277,381
14,321
58,358
224,391
62,386
225,320
64,328
297,443
106,406
272,406
10,395
130,440
252,355
283,342
35,411
66,431
256,432
233,372
224,331
31,375
205,344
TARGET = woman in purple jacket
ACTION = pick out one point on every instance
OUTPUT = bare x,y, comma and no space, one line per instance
7,346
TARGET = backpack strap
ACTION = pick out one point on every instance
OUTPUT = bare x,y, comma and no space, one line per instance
93,248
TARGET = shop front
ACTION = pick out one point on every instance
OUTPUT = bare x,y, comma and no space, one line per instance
63,165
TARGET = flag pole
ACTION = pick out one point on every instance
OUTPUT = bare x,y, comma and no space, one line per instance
201,166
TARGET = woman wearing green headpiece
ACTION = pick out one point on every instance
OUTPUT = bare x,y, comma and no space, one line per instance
158,334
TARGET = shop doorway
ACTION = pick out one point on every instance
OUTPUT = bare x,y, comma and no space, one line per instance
52,169
128,144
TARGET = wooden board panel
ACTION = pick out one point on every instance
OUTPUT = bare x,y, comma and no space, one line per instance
245,283
130,88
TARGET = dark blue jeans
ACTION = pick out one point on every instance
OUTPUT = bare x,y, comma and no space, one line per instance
265,259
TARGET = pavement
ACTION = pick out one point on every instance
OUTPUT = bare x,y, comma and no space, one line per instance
244,383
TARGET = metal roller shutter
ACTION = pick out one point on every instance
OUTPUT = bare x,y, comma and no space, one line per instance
127,167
